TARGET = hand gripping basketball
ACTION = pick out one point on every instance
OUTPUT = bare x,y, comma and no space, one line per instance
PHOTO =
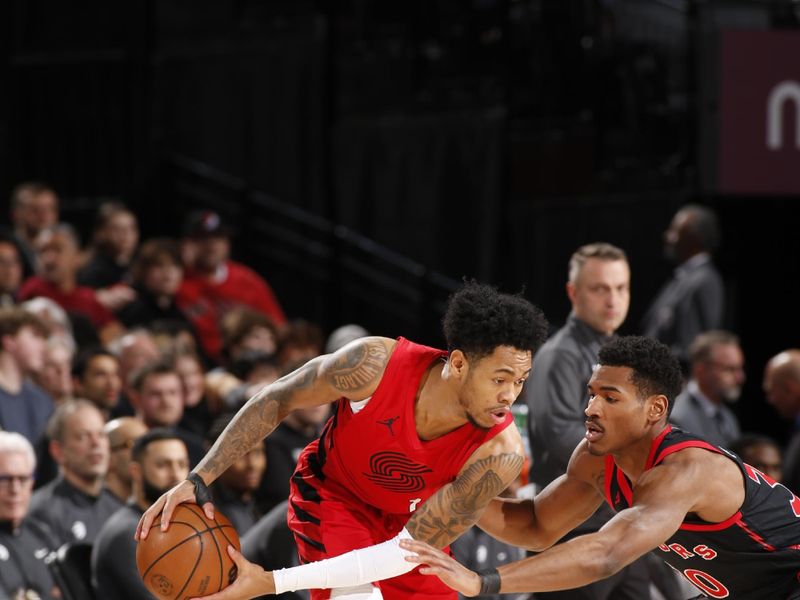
251,580
165,505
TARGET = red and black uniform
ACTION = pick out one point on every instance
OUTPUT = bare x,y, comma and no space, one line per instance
754,554
358,484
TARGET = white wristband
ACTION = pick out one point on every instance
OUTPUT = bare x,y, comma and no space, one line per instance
356,567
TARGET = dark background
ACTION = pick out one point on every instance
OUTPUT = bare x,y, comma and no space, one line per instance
371,153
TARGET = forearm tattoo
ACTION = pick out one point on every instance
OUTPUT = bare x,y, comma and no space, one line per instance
256,419
359,367
457,506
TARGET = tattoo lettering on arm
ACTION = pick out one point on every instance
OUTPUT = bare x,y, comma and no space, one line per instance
359,367
458,505
256,419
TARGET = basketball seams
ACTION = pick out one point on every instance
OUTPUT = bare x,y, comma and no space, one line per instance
194,568
203,565
210,530
197,533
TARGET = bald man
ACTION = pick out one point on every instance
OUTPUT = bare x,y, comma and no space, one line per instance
122,433
782,388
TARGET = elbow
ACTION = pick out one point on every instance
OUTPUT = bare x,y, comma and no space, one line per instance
603,562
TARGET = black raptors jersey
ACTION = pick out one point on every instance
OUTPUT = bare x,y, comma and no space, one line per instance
754,554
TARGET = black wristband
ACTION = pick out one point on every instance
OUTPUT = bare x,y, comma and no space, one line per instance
490,582
201,492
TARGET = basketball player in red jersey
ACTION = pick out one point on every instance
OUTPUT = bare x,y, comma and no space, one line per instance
731,530
419,443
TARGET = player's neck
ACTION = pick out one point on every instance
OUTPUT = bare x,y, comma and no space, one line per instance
633,459
437,410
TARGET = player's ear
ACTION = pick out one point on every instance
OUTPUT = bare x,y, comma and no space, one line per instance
459,363
657,407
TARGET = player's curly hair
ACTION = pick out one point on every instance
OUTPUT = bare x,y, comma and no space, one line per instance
655,369
479,318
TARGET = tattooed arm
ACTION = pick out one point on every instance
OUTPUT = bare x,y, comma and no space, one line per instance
457,506
352,372
563,505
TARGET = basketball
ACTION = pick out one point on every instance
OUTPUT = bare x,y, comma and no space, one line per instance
190,558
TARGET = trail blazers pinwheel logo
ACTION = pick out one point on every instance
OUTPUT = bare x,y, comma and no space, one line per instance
396,472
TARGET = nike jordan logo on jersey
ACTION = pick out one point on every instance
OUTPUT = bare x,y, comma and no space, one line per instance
389,422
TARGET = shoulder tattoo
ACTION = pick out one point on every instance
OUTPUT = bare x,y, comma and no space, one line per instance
360,367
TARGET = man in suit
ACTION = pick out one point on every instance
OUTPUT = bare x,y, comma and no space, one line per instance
717,376
782,388
693,301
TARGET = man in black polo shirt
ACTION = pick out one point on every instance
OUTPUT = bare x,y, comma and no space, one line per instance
23,543
158,462
75,504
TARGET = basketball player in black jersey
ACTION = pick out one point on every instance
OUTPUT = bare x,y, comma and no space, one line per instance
728,528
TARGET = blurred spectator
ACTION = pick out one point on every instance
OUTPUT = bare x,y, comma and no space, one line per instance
157,397
10,269
245,329
234,489
58,253
75,505
256,367
693,301
96,376
24,407
214,284
300,341
156,276
55,377
341,336
24,543
122,433
598,288
197,415
55,319
175,335
270,544
34,207
782,388
114,240
283,447
134,350
717,376
477,550
158,462
761,452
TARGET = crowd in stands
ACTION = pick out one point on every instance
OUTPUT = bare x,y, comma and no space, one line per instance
122,360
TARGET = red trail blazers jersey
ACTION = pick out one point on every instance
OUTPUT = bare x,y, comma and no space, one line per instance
754,554
359,483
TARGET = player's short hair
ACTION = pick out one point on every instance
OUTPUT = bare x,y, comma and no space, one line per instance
478,319
599,250
655,369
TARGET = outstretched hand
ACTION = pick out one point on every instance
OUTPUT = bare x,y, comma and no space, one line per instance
251,580
450,571
183,492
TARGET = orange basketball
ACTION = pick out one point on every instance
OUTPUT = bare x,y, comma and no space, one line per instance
190,558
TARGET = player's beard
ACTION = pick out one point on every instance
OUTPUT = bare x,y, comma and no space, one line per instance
152,492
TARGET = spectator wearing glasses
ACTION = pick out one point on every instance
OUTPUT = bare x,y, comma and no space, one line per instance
24,544
717,374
